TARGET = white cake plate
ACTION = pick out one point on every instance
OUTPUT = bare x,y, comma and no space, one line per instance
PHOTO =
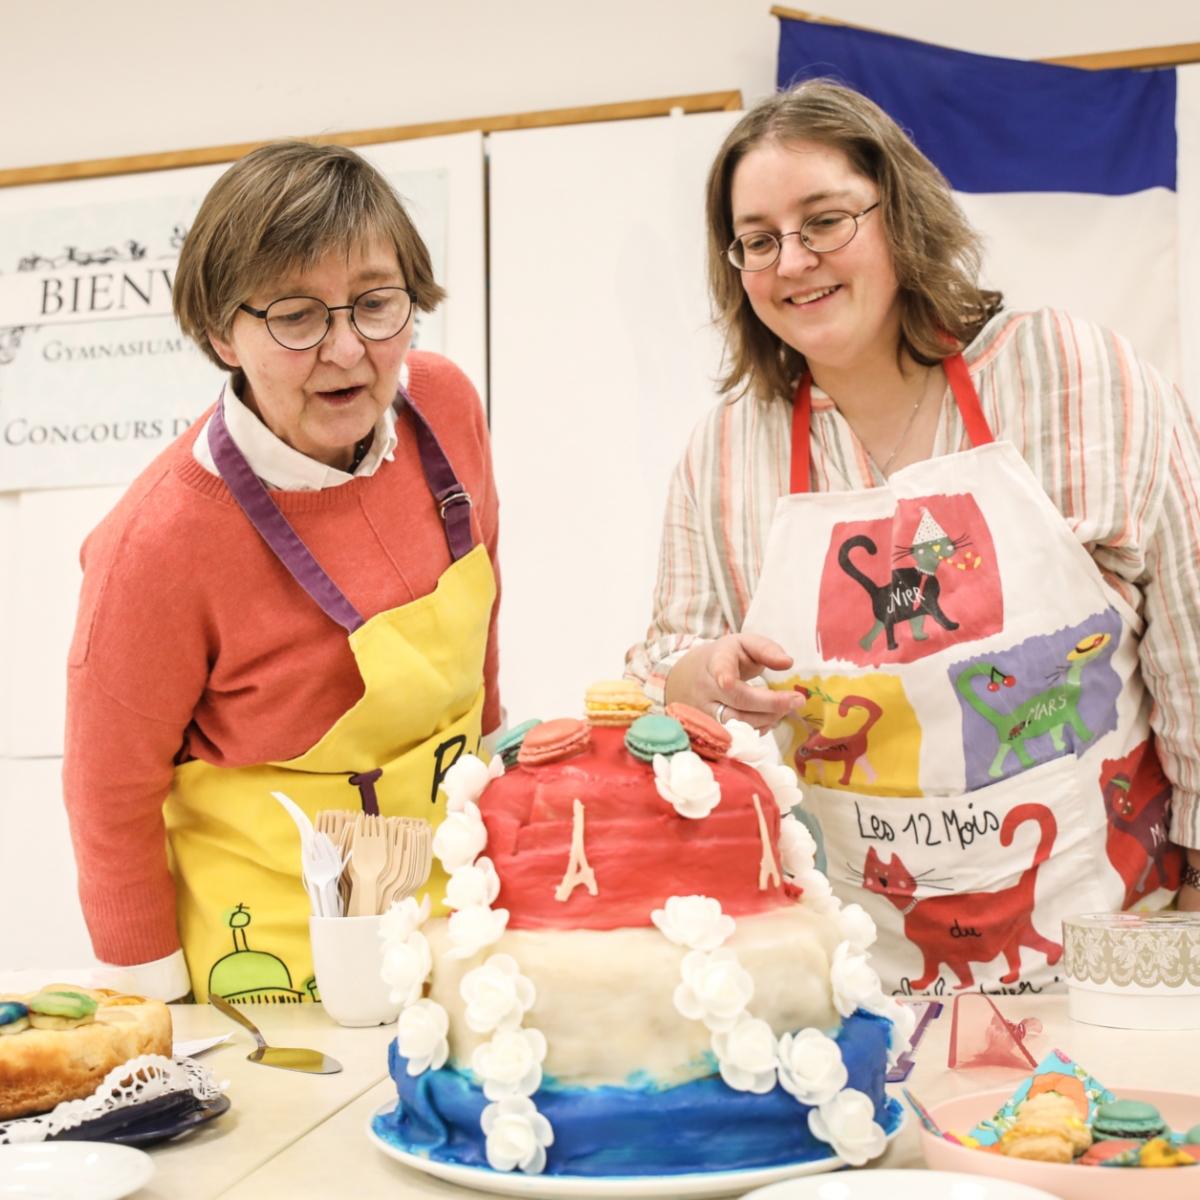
589,1187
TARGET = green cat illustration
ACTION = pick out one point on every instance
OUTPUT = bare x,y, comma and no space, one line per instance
1050,711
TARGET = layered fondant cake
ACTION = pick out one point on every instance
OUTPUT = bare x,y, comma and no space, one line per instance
642,973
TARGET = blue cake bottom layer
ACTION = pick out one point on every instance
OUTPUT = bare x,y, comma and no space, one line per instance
602,1131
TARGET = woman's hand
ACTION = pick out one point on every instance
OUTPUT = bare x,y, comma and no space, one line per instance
712,678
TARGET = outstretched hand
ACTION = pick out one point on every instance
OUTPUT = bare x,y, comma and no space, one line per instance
712,678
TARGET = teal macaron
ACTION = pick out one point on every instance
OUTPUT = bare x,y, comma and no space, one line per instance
1192,1137
509,746
1127,1119
654,734
14,1016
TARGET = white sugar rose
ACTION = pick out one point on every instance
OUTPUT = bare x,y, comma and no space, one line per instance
847,1123
511,1063
496,994
797,849
517,1135
471,929
402,918
696,922
464,783
749,746
857,927
746,1056
818,894
686,781
460,838
715,989
475,884
421,1036
811,1066
855,982
781,779
404,966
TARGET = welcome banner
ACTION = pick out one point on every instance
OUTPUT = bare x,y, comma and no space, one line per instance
1081,182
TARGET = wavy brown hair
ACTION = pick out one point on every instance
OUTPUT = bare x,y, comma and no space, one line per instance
279,210
935,252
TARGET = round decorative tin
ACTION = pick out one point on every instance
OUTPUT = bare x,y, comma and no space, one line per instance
1134,970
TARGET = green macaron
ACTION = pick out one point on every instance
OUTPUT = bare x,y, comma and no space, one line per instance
1192,1137
654,734
71,1005
509,745
1127,1119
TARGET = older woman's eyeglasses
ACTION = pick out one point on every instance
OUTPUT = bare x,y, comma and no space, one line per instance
822,233
301,322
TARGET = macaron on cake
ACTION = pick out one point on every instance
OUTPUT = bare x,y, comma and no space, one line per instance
509,744
549,741
14,1017
710,739
616,702
654,734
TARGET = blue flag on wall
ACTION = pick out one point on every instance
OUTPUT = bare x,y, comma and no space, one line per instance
1073,177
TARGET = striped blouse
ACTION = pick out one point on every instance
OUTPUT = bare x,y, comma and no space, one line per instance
1111,440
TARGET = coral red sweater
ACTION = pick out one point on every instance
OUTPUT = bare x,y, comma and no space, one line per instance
193,641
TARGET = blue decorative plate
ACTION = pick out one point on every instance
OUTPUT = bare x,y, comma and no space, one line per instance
157,1120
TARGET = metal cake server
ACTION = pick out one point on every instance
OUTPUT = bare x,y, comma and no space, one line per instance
289,1058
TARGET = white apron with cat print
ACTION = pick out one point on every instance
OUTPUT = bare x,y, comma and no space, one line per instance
974,745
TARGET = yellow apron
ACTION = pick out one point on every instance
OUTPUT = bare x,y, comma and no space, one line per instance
241,907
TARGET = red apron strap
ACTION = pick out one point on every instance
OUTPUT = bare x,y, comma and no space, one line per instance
801,427
968,400
965,396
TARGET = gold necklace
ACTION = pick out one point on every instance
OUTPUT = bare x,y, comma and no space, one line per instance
912,417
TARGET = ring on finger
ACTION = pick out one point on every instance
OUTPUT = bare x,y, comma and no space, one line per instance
719,713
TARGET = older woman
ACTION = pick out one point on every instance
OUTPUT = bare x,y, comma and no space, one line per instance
961,545
299,595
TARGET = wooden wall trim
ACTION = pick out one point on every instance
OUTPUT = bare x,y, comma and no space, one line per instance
167,160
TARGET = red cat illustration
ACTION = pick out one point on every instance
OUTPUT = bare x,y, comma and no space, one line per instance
973,926
1136,799
847,748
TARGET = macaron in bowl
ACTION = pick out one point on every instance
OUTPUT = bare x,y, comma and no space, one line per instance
1069,1181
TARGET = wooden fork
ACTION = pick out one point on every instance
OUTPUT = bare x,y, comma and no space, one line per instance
368,861
411,856
338,825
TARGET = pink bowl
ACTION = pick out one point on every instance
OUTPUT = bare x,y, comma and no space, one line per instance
1069,1182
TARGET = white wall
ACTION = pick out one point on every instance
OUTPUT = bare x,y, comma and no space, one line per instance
91,80
86,81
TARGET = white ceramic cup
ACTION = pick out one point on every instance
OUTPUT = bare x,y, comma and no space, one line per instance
346,955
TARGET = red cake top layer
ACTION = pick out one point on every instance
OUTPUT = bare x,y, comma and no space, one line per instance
626,840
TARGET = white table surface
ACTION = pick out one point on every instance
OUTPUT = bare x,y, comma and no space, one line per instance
270,1108
294,1136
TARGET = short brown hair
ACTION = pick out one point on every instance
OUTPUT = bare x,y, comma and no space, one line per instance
281,209
935,252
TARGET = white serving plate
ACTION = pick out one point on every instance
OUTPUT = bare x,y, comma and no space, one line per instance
73,1170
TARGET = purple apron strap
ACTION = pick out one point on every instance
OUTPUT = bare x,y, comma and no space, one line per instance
452,499
454,505
273,526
